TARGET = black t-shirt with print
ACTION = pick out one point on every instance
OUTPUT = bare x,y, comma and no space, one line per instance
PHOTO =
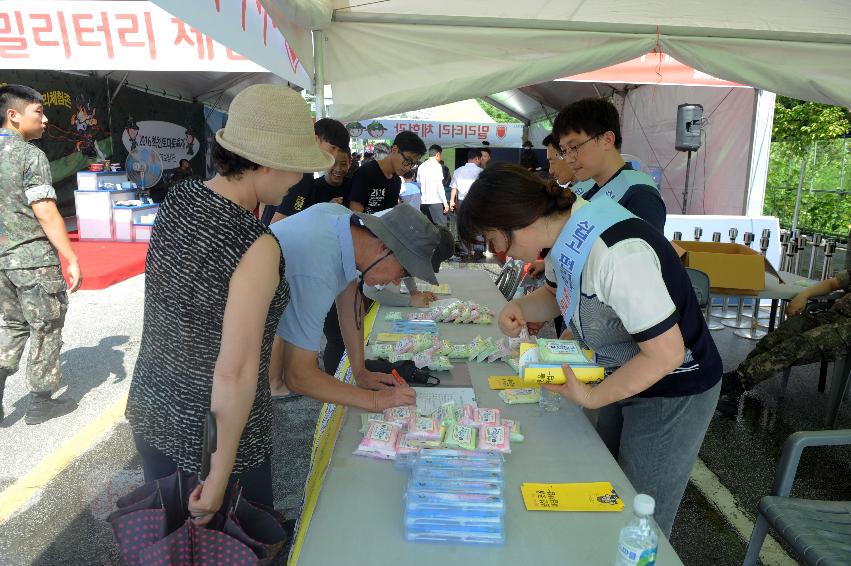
300,188
373,190
305,195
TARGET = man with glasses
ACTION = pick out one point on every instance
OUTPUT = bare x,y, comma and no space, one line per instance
376,185
330,253
433,197
588,135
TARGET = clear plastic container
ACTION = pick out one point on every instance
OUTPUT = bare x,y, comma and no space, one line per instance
455,486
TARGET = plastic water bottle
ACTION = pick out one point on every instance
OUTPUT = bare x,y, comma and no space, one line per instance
550,400
638,540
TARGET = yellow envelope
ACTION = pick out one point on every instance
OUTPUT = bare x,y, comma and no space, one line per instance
391,336
593,496
505,382
536,376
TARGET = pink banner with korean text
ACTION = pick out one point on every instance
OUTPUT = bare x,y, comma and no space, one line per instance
443,133
138,36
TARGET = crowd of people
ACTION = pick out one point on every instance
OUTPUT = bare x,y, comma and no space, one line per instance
237,304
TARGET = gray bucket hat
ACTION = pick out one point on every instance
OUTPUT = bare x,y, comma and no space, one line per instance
409,235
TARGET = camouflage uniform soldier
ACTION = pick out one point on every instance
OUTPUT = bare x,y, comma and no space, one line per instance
802,339
33,297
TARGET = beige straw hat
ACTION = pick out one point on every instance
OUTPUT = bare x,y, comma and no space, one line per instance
271,126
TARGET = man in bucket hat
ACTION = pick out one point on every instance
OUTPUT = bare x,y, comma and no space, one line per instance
330,253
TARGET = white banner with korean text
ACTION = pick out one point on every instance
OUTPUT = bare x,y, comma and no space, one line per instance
442,133
139,36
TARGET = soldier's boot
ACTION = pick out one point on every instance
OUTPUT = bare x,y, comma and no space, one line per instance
731,389
4,373
42,408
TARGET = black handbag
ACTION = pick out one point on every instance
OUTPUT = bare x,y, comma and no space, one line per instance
414,376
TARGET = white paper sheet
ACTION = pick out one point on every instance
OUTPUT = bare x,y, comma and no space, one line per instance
430,398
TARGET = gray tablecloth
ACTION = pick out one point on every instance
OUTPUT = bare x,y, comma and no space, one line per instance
358,518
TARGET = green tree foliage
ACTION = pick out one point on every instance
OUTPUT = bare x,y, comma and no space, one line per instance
808,128
495,113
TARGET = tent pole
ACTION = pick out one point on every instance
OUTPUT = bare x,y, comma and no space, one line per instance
800,189
319,72
685,191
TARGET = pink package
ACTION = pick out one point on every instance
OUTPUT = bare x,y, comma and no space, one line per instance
400,415
424,428
494,438
486,417
465,415
380,440
403,346
424,358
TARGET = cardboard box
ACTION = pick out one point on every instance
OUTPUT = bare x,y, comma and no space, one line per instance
733,269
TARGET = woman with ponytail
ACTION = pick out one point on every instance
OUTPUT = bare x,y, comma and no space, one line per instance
625,294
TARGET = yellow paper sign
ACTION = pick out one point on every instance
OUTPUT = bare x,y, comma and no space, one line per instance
536,376
593,496
505,382
391,336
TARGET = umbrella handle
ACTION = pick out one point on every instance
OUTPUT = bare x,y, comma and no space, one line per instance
208,445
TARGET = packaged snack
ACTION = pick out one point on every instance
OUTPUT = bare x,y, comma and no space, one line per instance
514,363
513,429
475,347
520,396
393,315
445,348
459,351
381,351
485,417
445,414
488,349
424,428
561,351
367,418
502,351
423,358
485,319
464,316
405,446
394,357
460,436
440,363
404,346
466,415
400,415
380,440
495,438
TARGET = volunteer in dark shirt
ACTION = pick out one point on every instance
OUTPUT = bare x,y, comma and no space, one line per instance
333,186
376,185
332,137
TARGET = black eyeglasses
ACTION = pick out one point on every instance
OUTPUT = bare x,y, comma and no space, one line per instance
408,162
573,151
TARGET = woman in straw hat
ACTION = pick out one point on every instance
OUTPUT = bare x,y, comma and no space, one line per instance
214,292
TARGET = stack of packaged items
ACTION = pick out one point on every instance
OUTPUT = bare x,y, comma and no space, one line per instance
459,312
455,497
400,433
425,350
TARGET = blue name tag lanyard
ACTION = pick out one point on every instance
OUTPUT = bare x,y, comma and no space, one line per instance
574,244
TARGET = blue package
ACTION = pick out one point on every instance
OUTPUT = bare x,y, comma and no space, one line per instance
454,485
415,327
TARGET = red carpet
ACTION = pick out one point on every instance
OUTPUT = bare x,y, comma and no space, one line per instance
106,263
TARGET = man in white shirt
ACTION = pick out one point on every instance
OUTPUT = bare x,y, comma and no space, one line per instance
433,196
463,178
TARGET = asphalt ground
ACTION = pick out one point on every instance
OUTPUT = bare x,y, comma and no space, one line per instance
59,480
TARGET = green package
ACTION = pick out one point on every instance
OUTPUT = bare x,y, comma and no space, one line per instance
460,436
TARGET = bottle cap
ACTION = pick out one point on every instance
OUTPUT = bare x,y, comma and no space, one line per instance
644,504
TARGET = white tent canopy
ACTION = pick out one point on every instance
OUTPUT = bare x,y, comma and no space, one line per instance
448,50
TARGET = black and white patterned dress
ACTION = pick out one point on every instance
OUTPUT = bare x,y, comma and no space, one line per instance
198,240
